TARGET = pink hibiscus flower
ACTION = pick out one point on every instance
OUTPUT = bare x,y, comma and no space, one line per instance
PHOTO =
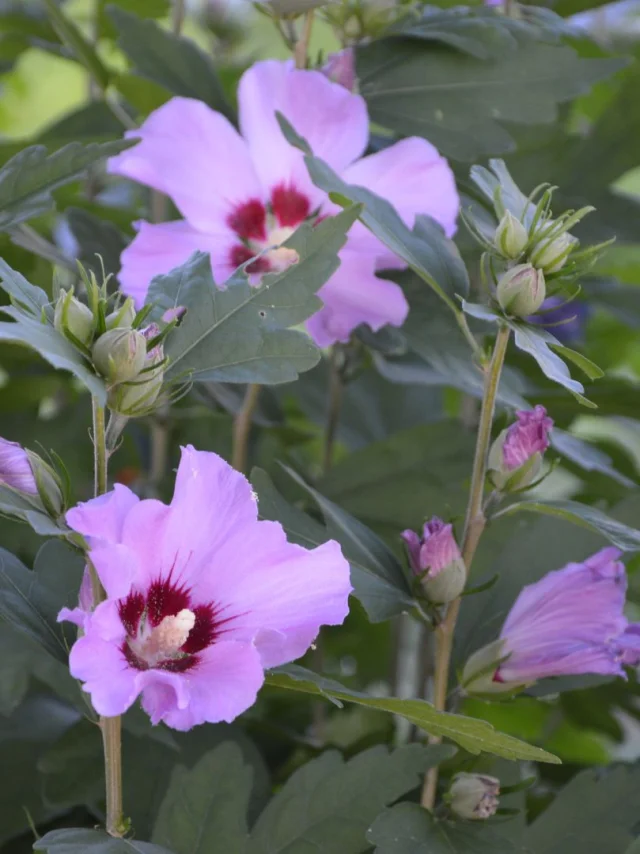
242,193
201,597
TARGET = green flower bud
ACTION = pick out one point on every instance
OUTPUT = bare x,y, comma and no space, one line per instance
478,675
48,484
122,318
511,236
551,255
521,290
474,796
74,319
136,397
119,355
447,585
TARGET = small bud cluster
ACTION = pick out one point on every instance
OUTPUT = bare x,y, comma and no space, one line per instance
127,355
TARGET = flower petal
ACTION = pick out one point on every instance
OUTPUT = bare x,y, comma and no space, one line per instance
415,178
158,249
332,120
224,683
102,518
196,157
355,295
163,692
279,594
106,675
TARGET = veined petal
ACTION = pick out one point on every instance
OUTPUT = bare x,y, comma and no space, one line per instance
106,675
196,157
102,518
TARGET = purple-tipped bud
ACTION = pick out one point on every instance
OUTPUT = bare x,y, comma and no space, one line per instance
474,796
119,355
436,559
15,468
341,68
136,397
521,290
569,622
511,236
515,458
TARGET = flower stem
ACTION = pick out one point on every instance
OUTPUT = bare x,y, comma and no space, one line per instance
177,19
110,727
302,46
473,528
336,388
242,428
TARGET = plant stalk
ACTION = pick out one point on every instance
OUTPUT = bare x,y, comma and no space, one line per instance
336,389
473,528
242,428
302,45
111,728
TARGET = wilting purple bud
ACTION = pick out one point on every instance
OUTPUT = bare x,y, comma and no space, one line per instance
341,68
172,314
570,622
566,321
521,290
437,560
15,468
474,796
520,446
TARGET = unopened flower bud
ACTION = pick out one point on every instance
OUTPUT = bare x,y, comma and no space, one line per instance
474,796
551,255
74,319
521,290
122,318
435,558
120,354
137,396
515,458
48,484
341,68
511,236
28,474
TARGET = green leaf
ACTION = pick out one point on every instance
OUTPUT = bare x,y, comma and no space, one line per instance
30,297
206,808
536,342
82,49
76,840
30,600
586,365
377,577
239,334
28,509
328,804
458,102
596,811
473,735
52,346
411,829
28,179
622,536
175,62
426,250
585,455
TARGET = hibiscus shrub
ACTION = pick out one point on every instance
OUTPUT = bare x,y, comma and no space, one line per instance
319,515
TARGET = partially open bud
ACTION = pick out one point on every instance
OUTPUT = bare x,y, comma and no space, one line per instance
136,397
474,796
511,236
119,355
74,319
122,318
478,675
515,458
15,468
29,475
521,290
436,560
551,254
341,68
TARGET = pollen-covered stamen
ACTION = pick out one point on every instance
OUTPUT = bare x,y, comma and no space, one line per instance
281,257
163,642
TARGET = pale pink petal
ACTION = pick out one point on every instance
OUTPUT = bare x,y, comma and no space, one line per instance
355,295
415,179
163,692
196,157
332,120
279,594
143,534
224,683
158,249
77,616
102,518
117,567
107,677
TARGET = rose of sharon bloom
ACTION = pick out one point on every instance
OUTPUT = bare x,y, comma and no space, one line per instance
528,436
201,597
15,468
570,622
240,194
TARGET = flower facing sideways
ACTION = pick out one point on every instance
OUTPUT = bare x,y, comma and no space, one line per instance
241,195
569,622
201,597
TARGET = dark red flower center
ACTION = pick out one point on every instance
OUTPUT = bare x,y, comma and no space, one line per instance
165,630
